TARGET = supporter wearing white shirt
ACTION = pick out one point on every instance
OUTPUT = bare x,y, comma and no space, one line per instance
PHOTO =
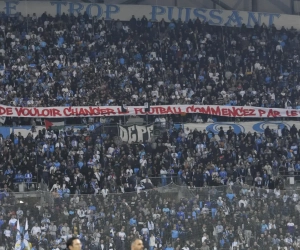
97,174
185,248
205,237
257,66
97,189
152,241
74,143
46,147
215,77
288,240
80,152
65,89
36,229
52,229
150,225
272,95
59,144
143,162
67,178
295,197
279,48
104,192
52,169
200,147
139,188
235,243
145,230
205,210
135,96
163,172
30,101
156,216
64,236
7,232
96,158
81,213
174,156
55,186
44,227
111,149
271,225
161,120
125,28
277,192
13,221
97,236
251,48
183,92
129,171
122,235
51,135
65,229
155,93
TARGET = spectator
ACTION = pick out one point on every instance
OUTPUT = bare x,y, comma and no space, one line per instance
36,230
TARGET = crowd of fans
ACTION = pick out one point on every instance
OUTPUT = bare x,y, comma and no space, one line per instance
228,217
75,60
84,169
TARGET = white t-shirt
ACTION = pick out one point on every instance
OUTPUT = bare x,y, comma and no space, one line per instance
129,172
277,192
122,235
104,192
12,221
143,162
64,237
7,232
110,150
145,230
35,230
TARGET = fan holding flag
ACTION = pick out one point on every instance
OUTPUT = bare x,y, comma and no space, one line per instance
22,242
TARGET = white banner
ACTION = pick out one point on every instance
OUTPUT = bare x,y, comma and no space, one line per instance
244,127
229,18
135,133
275,6
216,110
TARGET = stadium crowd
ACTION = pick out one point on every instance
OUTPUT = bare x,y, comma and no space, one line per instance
234,217
76,60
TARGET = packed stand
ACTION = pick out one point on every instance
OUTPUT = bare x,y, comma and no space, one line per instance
228,217
68,60
84,162
82,169
72,60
